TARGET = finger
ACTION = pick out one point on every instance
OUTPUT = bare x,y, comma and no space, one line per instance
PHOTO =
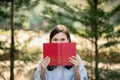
45,65
74,57
45,62
46,58
75,62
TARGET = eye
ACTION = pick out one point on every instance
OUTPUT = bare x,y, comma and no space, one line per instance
54,39
63,39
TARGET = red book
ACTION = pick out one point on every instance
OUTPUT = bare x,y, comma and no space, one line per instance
59,53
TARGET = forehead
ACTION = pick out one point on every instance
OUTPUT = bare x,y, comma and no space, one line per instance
60,35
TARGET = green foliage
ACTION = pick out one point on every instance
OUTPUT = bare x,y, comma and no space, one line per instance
20,9
111,43
1,45
68,14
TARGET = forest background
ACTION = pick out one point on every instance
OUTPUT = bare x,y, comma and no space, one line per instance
25,26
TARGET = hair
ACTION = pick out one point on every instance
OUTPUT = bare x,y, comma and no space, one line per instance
57,29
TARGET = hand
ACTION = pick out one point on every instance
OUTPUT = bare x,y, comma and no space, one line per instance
44,65
45,62
75,61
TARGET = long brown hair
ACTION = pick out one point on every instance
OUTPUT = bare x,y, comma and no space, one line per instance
54,31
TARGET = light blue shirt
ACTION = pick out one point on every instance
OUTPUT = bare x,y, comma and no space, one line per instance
66,74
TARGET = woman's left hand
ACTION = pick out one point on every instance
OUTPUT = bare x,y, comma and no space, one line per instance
75,61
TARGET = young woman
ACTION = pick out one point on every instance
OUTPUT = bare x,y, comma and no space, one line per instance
60,34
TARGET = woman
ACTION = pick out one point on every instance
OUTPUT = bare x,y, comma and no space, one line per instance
77,72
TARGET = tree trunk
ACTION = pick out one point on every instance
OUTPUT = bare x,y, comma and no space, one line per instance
96,40
12,42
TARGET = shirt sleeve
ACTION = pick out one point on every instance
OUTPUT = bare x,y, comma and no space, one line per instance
37,73
82,70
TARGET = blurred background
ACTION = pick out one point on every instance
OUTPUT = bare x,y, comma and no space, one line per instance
25,26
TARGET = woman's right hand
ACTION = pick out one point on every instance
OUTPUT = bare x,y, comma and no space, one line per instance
44,65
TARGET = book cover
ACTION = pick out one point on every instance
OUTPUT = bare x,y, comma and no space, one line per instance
59,53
